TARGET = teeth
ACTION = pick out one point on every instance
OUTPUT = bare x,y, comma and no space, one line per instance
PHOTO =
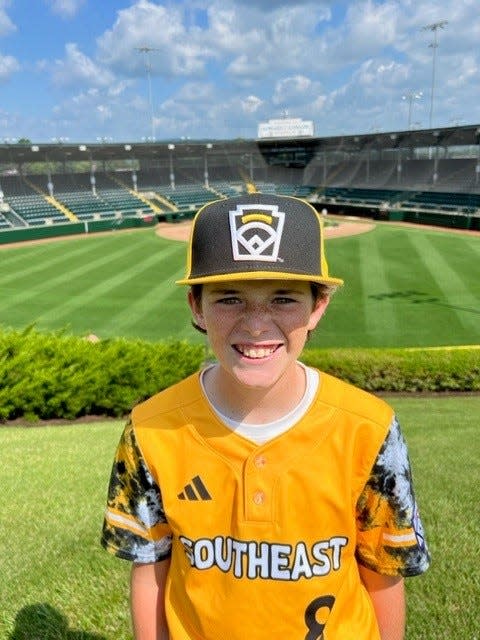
256,352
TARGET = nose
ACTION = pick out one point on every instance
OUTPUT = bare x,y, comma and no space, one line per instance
256,319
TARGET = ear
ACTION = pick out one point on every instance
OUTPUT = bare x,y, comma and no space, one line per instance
319,309
196,308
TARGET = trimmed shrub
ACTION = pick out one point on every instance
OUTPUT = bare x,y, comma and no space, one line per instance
54,376
402,370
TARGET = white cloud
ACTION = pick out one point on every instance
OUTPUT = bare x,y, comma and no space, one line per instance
292,88
269,5
104,112
241,67
367,29
377,75
196,93
78,68
6,25
256,44
371,24
65,8
467,73
251,104
8,66
319,104
119,88
174,49
99,113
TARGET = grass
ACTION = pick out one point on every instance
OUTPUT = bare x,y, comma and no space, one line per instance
397,280
442,434
57,578
58,584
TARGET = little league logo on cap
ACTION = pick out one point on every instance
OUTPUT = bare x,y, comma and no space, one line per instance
256,232
257,237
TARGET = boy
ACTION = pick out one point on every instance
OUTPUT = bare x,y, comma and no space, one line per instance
259,498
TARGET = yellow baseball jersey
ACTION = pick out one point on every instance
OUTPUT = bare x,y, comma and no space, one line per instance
265,540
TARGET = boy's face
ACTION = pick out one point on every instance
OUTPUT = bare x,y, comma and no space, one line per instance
257,329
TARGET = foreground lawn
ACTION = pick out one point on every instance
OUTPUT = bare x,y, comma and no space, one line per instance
58,584
56,578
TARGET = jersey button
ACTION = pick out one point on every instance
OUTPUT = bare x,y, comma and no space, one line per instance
259,497
260,461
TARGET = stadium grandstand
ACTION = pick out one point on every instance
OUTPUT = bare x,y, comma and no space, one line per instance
427,176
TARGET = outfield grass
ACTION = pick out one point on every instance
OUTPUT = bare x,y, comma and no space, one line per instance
58,584
404,287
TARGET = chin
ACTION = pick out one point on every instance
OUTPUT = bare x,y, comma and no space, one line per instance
255,380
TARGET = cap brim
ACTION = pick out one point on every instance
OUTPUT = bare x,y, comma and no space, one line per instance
261,275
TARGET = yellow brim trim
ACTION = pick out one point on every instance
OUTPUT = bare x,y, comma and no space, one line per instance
261,275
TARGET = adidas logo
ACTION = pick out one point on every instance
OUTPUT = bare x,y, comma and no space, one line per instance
189,492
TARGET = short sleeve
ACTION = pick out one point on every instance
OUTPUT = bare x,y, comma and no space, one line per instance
390,535
135,527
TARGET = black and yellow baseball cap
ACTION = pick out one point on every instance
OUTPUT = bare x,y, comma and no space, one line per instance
257,236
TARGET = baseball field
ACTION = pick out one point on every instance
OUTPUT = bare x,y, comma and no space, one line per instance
403,287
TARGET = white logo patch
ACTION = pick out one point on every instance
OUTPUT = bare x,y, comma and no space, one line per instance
256,232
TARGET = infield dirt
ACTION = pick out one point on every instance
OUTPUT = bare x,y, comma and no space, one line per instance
181,230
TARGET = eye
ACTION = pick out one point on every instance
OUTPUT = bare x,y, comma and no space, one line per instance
284,300
228,300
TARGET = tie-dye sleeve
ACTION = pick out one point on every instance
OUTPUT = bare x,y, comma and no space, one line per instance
135,527
390,537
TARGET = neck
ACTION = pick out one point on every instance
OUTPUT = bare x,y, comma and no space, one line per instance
254,405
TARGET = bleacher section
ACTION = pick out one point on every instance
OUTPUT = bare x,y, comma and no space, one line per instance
35,210
443,201
228,189
423,207
432,200
151,179
188,197
4,223
362,197
28,206
298,191
73,199
386,183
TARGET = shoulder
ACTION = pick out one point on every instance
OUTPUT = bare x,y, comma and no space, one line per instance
359,423
353,402
170,400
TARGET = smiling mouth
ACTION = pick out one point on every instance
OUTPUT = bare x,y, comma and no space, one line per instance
256,353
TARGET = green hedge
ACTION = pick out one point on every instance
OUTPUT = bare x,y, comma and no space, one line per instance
50,375
54,376
402,370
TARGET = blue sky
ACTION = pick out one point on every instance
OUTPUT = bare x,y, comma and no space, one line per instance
74,69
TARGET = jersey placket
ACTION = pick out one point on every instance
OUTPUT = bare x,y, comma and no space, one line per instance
258,482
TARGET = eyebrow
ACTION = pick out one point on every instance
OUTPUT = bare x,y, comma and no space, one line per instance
223,292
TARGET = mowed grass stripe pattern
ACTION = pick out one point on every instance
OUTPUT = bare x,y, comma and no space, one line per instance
451,264
404,287
380,273
110,285
83,285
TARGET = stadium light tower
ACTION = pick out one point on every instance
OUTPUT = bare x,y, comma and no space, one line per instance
146,52
171,149
434,27
413,95
208,146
